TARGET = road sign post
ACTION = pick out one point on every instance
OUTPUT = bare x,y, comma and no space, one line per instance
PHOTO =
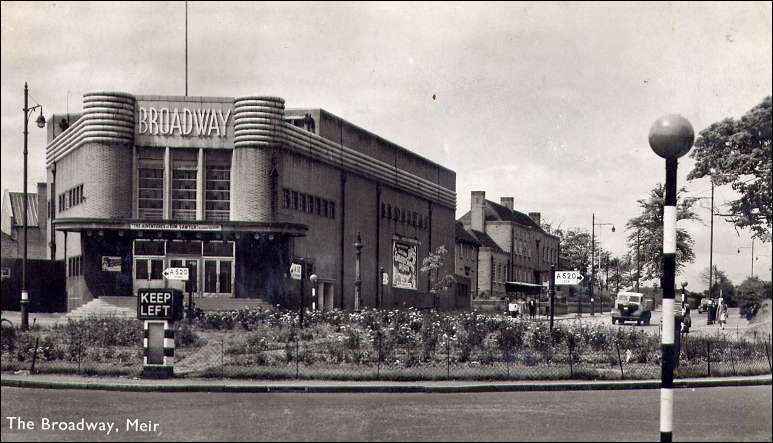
563,278
567,278
296,273
552,294
181,274
159,308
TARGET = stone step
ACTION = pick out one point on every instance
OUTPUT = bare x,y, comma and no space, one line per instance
127,306
124,302
100,308
228,304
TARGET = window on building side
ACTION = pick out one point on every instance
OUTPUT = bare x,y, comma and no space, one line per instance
184,172
217,190
150,195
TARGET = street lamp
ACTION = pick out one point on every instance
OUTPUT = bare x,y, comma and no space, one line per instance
752,248
41,122
357,279
593,260
671,137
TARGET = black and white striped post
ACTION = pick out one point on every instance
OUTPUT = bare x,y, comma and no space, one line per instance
671,137
158,364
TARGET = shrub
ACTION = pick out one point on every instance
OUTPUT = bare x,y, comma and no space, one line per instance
7,338
184,335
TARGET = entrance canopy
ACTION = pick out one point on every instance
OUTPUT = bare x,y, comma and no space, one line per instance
527,288
179,227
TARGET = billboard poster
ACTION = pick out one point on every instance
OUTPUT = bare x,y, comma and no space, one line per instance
111,264
404,266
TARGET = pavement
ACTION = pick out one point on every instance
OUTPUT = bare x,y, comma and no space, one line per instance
50,381
705,414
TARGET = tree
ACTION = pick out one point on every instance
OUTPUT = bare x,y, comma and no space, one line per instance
740,153
750,294
432,265
721,284
575,248
649,226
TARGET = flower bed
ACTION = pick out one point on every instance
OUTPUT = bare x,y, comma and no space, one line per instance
388,345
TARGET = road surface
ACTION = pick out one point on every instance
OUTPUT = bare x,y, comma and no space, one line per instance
707,414
736,325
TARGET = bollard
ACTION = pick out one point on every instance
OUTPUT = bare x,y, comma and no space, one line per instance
158,352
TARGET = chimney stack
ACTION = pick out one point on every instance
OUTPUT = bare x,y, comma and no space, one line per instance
507,202
535,216
478,210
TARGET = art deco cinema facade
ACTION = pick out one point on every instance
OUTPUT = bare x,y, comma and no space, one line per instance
236,189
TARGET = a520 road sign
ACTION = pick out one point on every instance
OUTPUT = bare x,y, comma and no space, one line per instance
176,273
568,277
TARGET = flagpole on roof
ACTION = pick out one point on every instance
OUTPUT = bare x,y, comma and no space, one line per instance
186,48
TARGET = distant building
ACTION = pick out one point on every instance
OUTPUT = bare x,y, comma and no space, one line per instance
516,253
13,224
467,250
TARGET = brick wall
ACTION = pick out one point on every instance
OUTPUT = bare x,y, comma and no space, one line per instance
104,170
251,184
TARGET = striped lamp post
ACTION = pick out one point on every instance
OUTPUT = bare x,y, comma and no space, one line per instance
671,137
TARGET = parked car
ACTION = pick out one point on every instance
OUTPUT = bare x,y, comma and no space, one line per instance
705,304
632,306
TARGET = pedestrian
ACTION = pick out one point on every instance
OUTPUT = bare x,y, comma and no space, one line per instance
712,312
723,316
532,309
686,320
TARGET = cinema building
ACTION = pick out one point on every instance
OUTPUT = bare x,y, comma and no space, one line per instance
236,190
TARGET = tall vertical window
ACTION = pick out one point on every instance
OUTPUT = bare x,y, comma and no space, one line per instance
184,170
150,192
218,186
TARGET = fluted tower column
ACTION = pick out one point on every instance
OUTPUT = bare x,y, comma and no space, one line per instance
257,133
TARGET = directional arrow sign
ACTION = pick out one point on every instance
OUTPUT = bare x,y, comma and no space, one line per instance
295,271
568,277
176,274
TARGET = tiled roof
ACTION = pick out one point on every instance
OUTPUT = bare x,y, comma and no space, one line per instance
17,208
462,236
486,241
497,212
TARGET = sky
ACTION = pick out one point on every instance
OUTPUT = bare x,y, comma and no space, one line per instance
549,103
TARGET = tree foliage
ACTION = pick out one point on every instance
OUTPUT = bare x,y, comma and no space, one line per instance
649,226
433,265
739,151
751,293
720,284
